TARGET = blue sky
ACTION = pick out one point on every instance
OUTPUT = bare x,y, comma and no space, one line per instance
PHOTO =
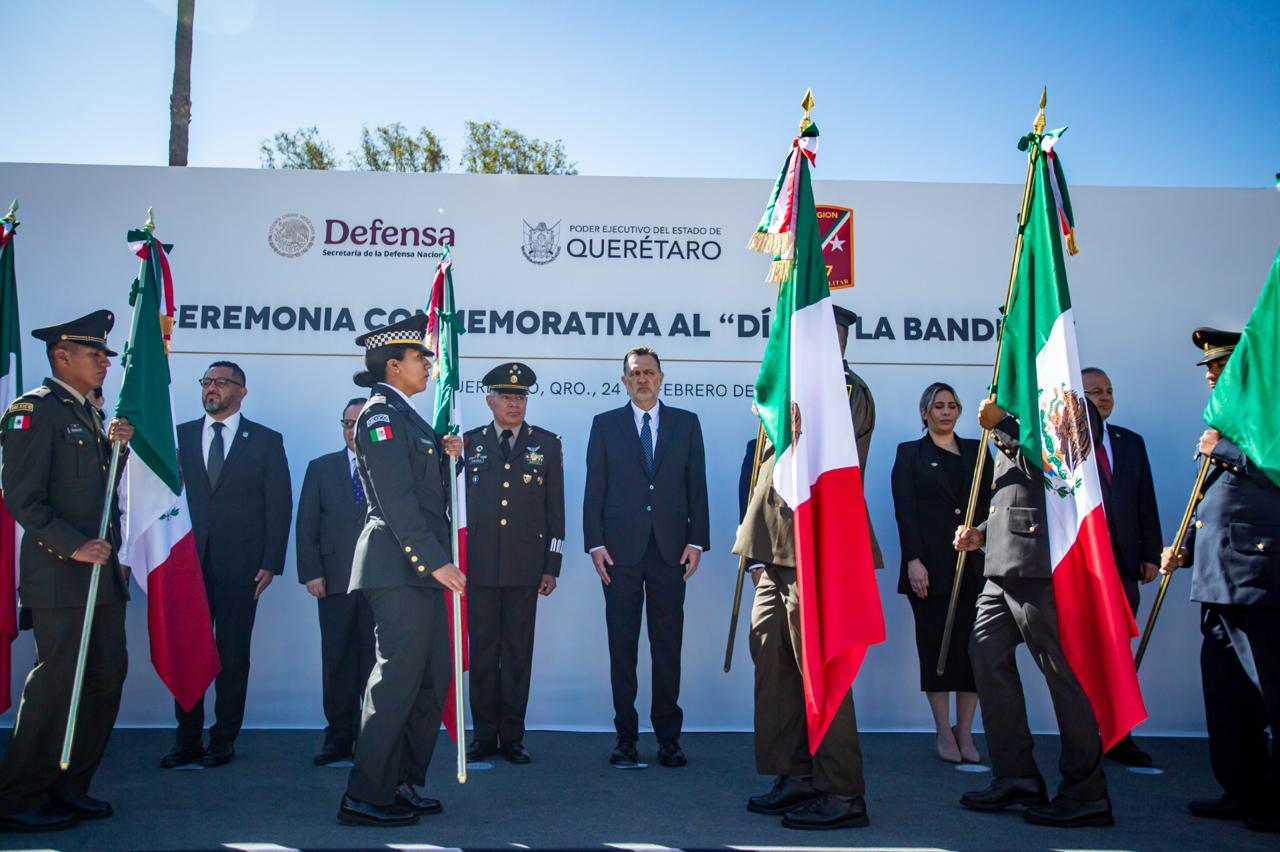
1165,93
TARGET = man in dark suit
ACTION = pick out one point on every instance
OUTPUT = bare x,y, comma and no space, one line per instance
56,458
646,525
237,481
1233,548
515,540
1017,605
1129,497
331,513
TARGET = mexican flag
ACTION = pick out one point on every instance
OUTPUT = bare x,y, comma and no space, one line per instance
1242,406
1040,384
10,389
817,471
158,542
442,337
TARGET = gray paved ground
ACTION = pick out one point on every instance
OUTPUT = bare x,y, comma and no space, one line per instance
571,797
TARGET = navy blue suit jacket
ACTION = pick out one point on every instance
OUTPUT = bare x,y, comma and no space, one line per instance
623,505
1130,500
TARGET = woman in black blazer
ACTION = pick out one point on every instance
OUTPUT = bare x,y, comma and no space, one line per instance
931,479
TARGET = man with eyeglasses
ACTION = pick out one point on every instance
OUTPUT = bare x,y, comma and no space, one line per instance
237,481
331,512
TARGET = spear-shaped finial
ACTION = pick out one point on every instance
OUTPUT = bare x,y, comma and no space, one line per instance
150,224
807,104
1037,126
12,215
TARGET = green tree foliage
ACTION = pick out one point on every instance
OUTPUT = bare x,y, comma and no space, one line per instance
302,149
390,148
492,149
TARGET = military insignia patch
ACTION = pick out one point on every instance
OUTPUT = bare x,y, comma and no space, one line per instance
377,418
528,477
532,456
19,422
382,433
21,406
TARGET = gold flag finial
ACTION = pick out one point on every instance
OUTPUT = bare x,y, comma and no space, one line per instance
150,224
807,104
1037,126
12,215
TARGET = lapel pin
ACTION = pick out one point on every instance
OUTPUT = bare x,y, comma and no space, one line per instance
933,464
244,434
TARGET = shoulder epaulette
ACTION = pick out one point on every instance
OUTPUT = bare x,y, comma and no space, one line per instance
476,431
542,431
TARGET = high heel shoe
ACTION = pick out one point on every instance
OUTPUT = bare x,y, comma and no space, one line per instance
970,756
947,754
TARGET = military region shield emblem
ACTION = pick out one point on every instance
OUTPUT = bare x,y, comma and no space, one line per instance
835,227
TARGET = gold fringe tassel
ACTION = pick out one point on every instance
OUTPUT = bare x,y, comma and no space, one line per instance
767,243
780,271
1072,248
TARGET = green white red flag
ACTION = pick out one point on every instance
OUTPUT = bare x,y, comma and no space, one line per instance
1040,384
817,472
10,389
158,542
443,329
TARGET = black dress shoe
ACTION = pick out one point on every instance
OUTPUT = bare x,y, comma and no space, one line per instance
1223,807
45,818
1064,812
182,755
1128,753
219,754
84,806
355,812
331,754
828,812
625,754
410,799
670,755
787,792
479,750
1007,792
516,753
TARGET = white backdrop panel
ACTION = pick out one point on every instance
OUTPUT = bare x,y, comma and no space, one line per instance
1154,264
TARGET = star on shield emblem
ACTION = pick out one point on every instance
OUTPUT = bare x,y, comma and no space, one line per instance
835,229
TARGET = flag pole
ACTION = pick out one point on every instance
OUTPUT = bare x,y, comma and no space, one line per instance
459,726
807,105
742,558
1183,529
95,578
975,487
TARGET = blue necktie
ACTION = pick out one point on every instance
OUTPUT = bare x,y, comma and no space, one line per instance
357,486
646,442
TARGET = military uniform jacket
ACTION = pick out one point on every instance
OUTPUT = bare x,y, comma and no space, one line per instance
1017,537
515,507
405,473
54,477
1235,542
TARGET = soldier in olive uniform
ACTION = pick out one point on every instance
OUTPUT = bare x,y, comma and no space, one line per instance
403,565
56,458
515,538
822,789
1236,580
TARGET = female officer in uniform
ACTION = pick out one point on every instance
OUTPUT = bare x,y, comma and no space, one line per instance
403,565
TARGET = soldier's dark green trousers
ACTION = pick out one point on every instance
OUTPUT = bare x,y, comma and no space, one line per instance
782,739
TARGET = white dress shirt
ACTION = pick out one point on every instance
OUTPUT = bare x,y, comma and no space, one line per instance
232,424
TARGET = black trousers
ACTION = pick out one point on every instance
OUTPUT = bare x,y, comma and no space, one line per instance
233,609
500,622
346,657
29,773
1240,672
782,730
1011,611
404,701
625,597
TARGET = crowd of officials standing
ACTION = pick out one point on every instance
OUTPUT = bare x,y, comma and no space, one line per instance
373,547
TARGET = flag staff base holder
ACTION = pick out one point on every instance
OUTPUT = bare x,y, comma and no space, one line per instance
460,728
742,559
91,602
1037,128
1178,541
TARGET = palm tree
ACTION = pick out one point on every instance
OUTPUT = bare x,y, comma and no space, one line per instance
180,99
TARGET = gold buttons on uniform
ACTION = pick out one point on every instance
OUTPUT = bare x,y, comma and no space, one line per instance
506,485
503,522
422,569
1199,524
504,502
1261,546
507,466
957,511
408,549
413,559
